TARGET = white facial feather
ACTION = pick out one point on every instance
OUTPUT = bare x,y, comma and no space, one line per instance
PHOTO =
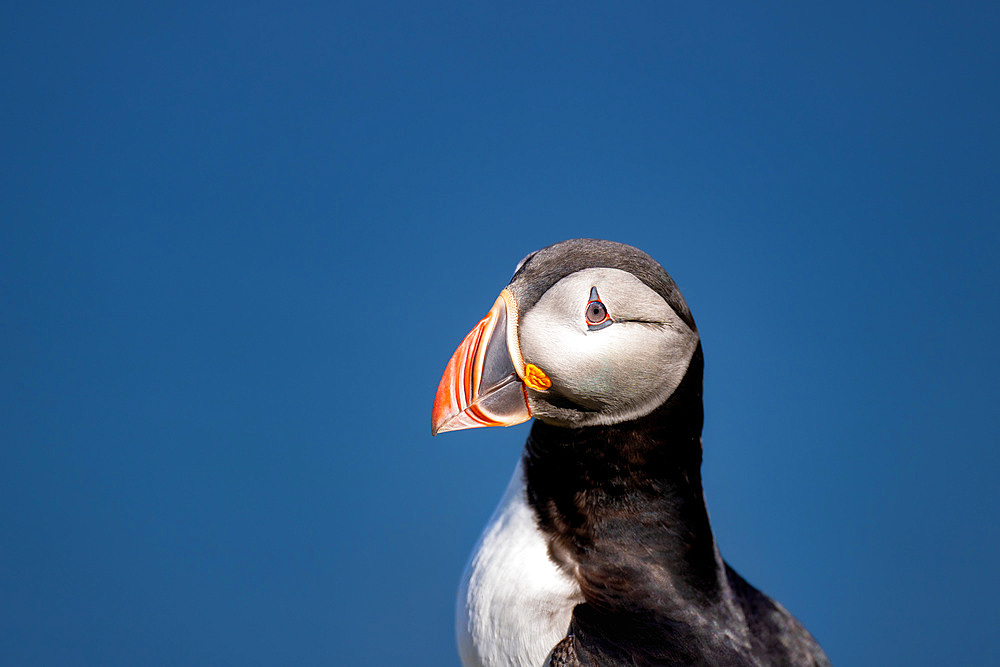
619,372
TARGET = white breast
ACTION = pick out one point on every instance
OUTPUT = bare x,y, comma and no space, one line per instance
514,604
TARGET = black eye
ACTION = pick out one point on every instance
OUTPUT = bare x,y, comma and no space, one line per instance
596,312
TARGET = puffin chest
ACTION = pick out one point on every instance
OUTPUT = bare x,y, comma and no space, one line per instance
514,604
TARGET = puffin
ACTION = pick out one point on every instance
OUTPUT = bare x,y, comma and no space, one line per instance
600,551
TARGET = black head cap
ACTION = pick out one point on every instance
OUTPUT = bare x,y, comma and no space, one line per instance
544,268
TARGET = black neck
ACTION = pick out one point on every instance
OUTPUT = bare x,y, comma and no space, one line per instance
623,507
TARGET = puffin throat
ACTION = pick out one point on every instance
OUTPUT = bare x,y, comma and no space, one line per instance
623,509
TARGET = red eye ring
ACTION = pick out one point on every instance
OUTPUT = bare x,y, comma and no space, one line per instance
596,313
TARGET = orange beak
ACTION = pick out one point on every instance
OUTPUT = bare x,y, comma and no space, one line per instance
481,385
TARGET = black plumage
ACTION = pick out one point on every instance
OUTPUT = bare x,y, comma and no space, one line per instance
623,509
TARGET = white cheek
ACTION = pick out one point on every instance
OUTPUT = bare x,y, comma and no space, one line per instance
556,348
620,371
618,366
597,364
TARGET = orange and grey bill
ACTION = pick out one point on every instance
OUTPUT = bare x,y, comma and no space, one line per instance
480,385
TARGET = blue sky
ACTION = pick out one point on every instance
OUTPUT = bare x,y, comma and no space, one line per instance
238,243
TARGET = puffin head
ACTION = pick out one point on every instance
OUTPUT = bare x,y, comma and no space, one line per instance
587,332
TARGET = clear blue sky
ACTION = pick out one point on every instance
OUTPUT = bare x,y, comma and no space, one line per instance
238,243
